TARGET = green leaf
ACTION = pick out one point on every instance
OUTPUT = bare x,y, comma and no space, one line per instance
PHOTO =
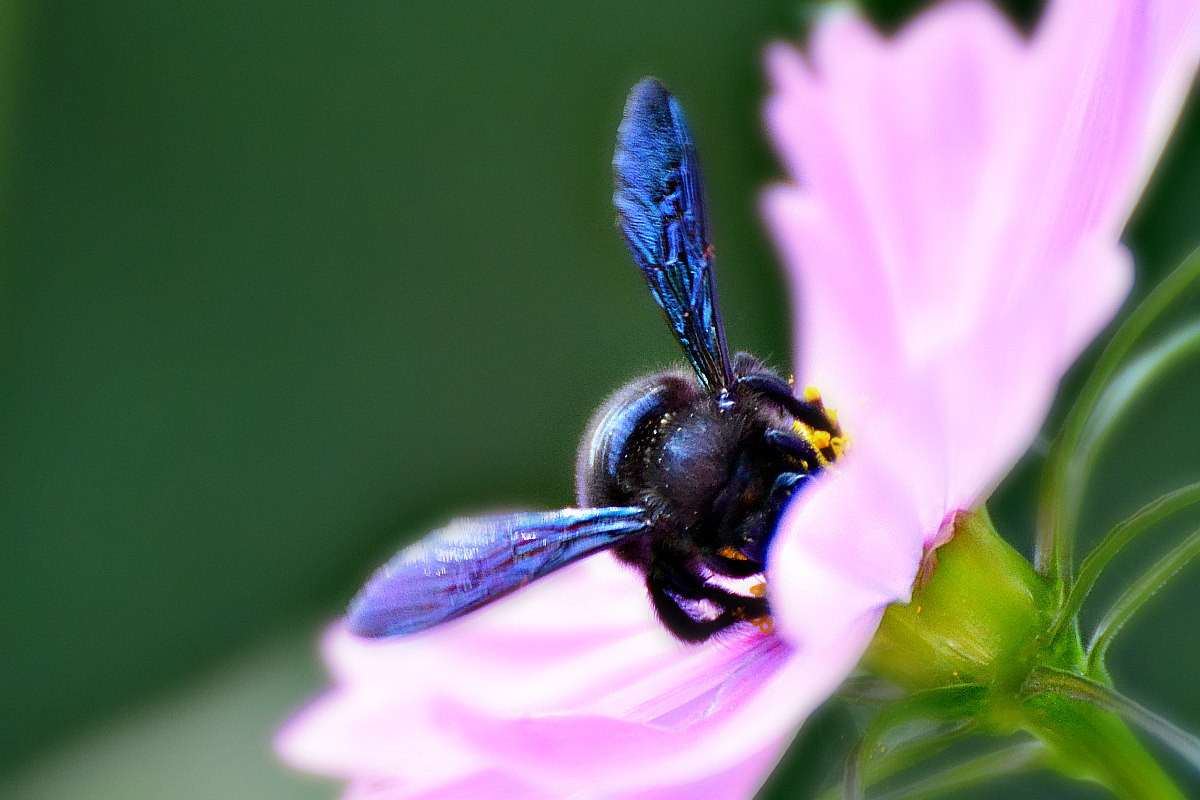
1066,468
1134,597
1114,541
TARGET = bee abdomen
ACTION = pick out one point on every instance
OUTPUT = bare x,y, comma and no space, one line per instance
612,459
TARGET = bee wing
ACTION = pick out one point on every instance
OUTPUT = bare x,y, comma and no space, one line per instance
660,202
472,562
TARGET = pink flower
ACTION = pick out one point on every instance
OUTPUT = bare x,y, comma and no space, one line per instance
954,240
953,244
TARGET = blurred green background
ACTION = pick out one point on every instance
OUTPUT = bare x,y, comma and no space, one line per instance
285,284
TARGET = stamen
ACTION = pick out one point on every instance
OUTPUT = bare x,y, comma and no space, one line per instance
828,440
763,621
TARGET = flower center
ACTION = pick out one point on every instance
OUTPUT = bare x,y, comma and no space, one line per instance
827,439
823,442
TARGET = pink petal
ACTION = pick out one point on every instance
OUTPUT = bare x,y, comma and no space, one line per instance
953,246
570,685
490,784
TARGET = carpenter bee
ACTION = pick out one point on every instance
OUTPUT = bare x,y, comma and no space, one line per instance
682,474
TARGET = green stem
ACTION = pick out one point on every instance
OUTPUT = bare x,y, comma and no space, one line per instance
1129,385
1062,489
1105,698
1136,596
1088,741
1113,542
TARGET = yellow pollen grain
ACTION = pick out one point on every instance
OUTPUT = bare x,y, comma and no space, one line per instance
729,552
820,439
763,622
811,394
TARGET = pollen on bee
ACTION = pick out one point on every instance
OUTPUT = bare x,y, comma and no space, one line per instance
812,394
821,439
729,552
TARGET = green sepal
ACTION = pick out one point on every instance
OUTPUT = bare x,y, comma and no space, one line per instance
977,616
909,731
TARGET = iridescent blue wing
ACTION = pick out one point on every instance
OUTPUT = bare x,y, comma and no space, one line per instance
472,562
660,201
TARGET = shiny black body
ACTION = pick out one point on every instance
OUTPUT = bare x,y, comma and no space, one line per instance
683,475
712,473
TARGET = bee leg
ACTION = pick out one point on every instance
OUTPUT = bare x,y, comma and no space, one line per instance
758,528
779,392
795,447
670,588
694,586
732,566
684,626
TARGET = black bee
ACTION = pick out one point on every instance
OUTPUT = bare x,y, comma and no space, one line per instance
682,475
